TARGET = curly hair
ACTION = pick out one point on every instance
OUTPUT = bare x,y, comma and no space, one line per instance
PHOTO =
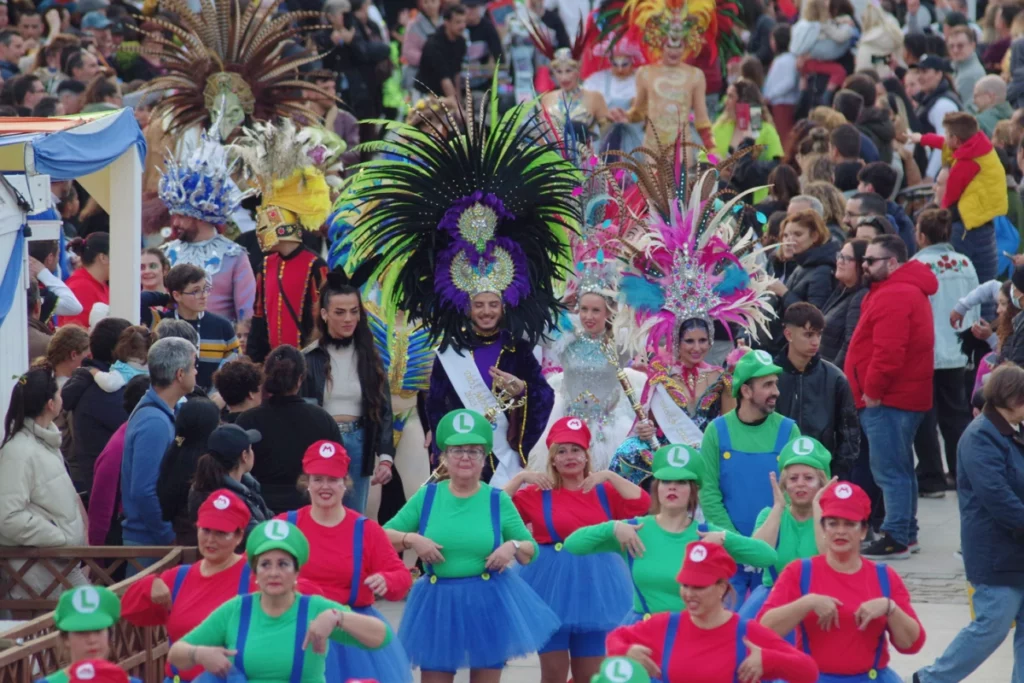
236,379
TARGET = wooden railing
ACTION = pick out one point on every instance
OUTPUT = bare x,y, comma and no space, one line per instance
138,650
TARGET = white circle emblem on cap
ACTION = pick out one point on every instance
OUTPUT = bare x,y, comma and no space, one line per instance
699,553
678,456
86,600
222,502
85,672
277,530
803,446
844,491
763,356
618,670
574,424
463,423
327,450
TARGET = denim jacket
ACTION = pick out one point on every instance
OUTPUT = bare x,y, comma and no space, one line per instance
957,279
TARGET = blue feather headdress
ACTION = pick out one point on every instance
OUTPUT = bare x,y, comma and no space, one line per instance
198,184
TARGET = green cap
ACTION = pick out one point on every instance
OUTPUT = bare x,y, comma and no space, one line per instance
277,534
676,462
806,451
87,608
753,364
620,670
464,428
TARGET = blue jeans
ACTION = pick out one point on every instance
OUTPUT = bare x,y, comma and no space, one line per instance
355,497
995,608
130,570
890,433
979,245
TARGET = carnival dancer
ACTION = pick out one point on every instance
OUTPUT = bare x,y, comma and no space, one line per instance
570,495
848,609
275,635
788,525
351,559
288,166
708,643
653,546
467,611
468,235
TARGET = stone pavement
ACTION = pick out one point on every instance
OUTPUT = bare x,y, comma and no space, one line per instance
937,585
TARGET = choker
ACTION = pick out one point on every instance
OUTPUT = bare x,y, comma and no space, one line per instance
339,342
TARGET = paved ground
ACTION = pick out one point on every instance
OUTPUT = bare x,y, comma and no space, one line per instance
936,581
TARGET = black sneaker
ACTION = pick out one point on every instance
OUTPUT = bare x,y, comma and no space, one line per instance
886,548
931,494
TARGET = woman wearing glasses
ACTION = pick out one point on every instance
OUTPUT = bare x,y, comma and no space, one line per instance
467,611
842,309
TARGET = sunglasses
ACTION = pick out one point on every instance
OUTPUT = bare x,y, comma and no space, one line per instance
872,260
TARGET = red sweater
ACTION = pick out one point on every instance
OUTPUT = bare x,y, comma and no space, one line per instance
709,655
331,559
846,650
891,354
571,510
89,291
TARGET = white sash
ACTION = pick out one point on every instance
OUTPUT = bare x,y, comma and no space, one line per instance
472,390
673,420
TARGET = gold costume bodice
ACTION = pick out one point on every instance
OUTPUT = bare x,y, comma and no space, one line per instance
669,92
560,103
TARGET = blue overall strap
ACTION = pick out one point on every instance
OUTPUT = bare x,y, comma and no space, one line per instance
703,527
245,579
549,521
741,648
774,573
496,516
357,560
293,517
428,504
805,588
243,633
602,497
782,438
301,626
636,588
670,640
179,578
724,442
883,582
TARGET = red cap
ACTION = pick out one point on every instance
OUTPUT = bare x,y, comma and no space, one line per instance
846,501
569,430
223,511
327,458
96,671
705,564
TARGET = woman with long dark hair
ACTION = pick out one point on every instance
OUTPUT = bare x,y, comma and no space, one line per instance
842,308
345,375
90,281
195,421
288,425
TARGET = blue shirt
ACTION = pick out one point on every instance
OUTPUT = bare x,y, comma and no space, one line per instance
149,435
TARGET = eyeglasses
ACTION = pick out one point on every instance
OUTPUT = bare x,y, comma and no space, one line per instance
872,260
474,454
205,291
843,258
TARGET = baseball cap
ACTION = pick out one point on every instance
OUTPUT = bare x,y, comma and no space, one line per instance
230,441
277,534
223,511
846,501
327,458
464,428
97,20
933,62
569,430
705,564
806,451
620,670
752,365
675,462
87,608
96,671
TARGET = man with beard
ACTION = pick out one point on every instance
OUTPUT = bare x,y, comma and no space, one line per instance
740,449
890,365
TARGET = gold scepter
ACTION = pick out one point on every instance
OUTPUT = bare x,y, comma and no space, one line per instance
620,374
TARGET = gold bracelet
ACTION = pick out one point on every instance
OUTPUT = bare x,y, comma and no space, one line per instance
405,536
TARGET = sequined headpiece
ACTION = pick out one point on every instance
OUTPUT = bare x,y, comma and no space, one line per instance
197,183
598,276
690,24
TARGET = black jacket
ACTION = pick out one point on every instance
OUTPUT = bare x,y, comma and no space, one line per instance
96,415
842,311
903,225
1013,347
380,439
876,124
814,277
248,490
820,401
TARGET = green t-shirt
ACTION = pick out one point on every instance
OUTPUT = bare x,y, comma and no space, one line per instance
758,438
270,643
655,573
56,677
796,540
462,527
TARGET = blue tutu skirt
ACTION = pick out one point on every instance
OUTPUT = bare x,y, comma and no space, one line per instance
586,592
885,675
753,604
477,622
389,663
631,618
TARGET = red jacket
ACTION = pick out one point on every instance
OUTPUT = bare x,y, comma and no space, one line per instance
891,353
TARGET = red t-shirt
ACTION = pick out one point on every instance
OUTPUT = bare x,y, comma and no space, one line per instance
88,290
709,655
331,559
846,650
571,510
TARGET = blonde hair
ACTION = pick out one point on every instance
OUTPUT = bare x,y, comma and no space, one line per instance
1006,134
827,117
691,503
832,201
815,10
556,478
822,479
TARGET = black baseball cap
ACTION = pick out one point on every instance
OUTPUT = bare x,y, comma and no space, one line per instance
231,440
933,62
